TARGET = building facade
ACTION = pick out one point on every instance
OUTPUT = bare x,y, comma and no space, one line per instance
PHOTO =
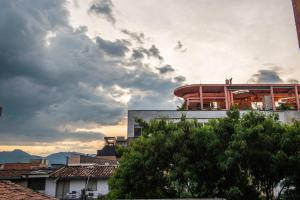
245,96
10,190
210,101
32,175
83,176
70,182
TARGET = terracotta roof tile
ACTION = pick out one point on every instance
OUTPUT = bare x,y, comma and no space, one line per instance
13,174
97,160
9,190
21,165
99,171
17,174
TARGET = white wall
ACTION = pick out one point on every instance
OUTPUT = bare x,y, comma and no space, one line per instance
50,187
147,115
102,187
201,116
77,185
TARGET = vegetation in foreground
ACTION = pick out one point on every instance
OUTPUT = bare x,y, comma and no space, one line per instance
235,158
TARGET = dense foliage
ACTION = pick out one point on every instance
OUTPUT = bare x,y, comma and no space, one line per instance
234,157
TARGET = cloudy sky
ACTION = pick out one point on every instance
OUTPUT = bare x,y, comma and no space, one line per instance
70,70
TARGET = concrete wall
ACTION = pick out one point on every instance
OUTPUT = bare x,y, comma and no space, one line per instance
50,187
102,187
77,185
74,159
201,116
290,116
107,157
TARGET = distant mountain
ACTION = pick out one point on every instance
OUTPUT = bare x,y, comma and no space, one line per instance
19,156
16,156
58,158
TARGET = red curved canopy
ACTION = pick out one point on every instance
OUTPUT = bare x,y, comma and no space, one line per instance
223,96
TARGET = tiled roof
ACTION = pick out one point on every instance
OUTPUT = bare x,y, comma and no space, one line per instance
97,160
20,165
97,171
13,174
9,190
17,174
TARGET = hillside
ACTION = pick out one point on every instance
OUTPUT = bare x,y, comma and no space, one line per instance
19,156
16,156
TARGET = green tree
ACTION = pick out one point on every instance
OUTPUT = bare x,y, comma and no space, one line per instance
256,149
233,157
290,161
233,182
168,160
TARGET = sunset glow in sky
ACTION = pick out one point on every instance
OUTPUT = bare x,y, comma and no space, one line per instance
71,69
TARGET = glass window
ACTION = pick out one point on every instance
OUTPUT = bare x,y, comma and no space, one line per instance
137,131
92,185
37,183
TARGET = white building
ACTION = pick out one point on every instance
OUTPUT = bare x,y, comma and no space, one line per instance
210,101
86,173
134,130
70,181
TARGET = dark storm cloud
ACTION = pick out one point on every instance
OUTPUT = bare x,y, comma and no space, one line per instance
137,54
154,52
52,75
266,76
103,8
117,48
179,79
139,37
165,69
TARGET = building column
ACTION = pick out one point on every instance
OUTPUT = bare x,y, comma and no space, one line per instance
226,97
201,97
297,97
273,100
231,98
187,104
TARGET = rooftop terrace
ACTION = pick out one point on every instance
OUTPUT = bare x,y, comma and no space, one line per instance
245,96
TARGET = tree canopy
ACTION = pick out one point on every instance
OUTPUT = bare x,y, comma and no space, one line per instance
236,157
